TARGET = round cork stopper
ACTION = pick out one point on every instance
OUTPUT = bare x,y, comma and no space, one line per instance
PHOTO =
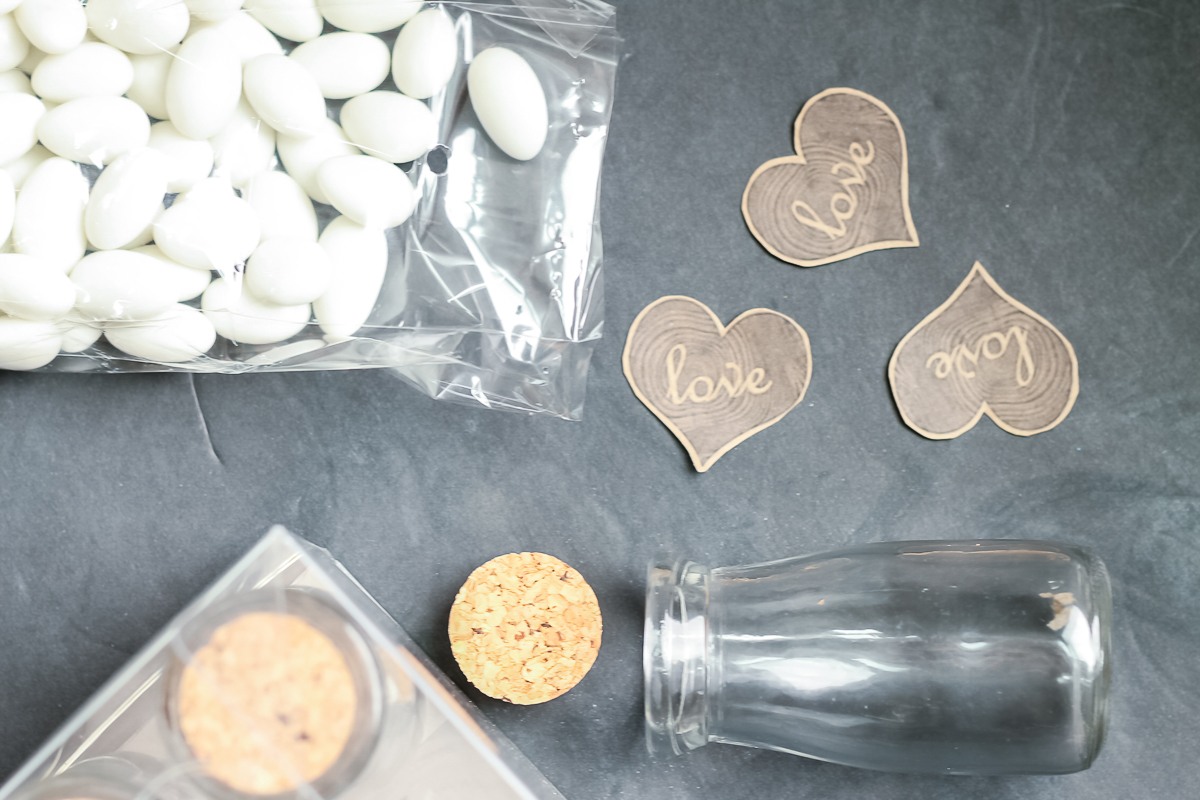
268,700
525,628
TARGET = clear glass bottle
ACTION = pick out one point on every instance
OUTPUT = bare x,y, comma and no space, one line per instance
952,657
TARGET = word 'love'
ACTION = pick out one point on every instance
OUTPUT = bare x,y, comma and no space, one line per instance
991,346
677,357
847,200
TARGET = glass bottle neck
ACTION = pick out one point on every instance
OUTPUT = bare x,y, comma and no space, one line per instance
676,658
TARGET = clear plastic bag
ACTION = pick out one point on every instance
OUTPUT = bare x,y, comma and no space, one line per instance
493,292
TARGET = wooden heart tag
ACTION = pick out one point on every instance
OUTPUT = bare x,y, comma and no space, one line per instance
845,191
715,386
982,352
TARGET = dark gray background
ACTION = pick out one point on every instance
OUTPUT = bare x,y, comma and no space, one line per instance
1056,142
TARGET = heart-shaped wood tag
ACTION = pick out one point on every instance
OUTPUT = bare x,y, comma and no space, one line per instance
845,191
715,386
982,352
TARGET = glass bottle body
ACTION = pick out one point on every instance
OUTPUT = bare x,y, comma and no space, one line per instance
975,657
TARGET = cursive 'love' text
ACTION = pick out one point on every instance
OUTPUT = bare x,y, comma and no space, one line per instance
702,389
843,204
991,346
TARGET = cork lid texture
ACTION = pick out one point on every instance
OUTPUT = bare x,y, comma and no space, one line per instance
525,628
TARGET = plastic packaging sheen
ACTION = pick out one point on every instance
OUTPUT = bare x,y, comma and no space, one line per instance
492,293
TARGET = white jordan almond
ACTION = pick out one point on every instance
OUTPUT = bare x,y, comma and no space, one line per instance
295,20
509,101
209,227
302,156
94,130
284,95
189,282
189,161
360,257
240,318
27,344
283,207
116,285
140,27
368,190
19,169
13,80
390,126
126,198
52,26
48,222
245,34
368,16
204,85
288,272
149,87
344,64
425,54
32,290
181,333
21,114
244,147
93,69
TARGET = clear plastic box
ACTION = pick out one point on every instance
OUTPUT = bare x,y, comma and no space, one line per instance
428,741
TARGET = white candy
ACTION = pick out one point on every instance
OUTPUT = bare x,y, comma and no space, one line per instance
91,70
284,95
509,101
241,318
20,168
359,258
368,16
31,60
114,285
149,87
208,228
283,207
425,55
144,237
94,130
288,272
189,161
126,198
245,35
48,222
13,80
14,47
78,334
390,126
204,85
244,147
369,191
302,156
52,26
19,117
188,281
8,206
181,333
25,344
8,5
297,20
31,290
344,64
213,10
142,27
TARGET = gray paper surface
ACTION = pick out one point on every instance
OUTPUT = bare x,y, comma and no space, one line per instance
1055,142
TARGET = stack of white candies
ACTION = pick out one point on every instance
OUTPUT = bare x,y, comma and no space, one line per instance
75,265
